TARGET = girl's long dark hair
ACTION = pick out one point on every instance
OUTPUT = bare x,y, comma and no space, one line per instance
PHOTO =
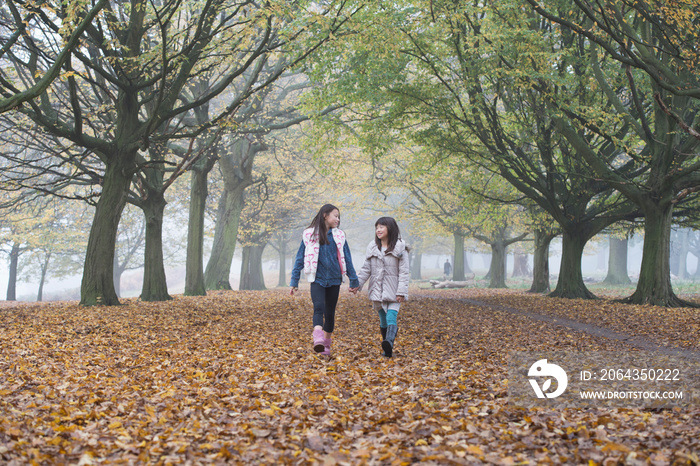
319,223
393,232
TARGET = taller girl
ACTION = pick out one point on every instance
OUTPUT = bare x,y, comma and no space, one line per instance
325,257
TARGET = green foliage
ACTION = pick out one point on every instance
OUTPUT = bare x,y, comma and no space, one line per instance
52,235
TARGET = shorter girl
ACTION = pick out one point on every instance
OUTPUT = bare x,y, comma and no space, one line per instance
386,268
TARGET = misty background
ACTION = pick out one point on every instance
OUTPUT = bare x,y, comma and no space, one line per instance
360,231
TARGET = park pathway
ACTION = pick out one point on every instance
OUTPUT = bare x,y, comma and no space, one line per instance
635,341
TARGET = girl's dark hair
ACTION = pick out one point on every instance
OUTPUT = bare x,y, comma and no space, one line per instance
393,231
319,223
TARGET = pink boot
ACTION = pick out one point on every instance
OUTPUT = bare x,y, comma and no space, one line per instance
319,340
326,346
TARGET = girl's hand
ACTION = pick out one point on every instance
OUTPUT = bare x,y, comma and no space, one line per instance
292,290
353,290
400,298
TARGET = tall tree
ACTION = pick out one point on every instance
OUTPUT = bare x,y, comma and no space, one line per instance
44,239
236,164
134,65
282,187
499,240
496,221
438,194
660,106
44,236
258,225
680,248
54,238
469,80
508,118
617,261
207,146
544,231
293,179
270,111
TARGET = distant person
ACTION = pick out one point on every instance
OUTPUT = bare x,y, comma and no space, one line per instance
324,256
386,268
447,268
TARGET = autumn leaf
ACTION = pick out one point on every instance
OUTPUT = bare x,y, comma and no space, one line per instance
198,380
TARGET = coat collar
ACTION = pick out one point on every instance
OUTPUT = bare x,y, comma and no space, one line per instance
398,250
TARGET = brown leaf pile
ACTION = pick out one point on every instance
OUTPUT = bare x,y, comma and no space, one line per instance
232,378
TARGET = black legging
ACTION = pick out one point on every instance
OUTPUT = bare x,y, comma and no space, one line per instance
324,299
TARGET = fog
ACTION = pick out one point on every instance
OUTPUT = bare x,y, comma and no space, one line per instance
594,265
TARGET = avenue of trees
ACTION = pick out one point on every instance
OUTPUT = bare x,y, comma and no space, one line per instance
508,123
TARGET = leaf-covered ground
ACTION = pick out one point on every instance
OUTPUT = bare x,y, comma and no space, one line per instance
673,327
232,378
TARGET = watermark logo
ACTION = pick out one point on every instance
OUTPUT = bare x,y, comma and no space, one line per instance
544,369
614,379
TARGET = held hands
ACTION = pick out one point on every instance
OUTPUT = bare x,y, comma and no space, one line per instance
400,299
293,290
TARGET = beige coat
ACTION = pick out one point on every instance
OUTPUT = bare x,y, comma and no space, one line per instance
387,274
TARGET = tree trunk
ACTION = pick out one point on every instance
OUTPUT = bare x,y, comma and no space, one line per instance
498,265
12,280
155,286
97,286
570,283
216,276
617,262
282,276
654,285
540,263
251,268
416,258
237,168
521,268
42,280
194,264
458,269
